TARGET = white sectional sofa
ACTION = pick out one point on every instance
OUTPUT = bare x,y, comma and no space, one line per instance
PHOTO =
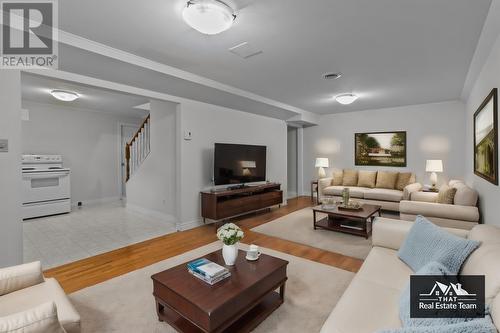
463,213
371,302
384,195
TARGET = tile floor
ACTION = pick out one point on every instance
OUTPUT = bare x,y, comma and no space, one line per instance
86,232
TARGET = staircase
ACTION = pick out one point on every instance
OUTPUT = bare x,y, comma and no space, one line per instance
138,148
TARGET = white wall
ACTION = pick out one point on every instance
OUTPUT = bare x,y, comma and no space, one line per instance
489,78
210,124
89,142
434,131
152,188
292,162
11,238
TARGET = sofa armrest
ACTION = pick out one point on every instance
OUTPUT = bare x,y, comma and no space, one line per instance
424,196
445,211
322,184
20,277
409,189
389,233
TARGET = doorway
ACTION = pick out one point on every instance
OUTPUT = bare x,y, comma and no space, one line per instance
127,132
292,162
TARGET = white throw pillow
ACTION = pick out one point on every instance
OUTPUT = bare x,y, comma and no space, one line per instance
41,319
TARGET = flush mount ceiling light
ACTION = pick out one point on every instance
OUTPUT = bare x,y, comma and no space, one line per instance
63,95
209,17
346,98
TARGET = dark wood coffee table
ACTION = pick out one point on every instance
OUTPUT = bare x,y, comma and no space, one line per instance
356,222
237,304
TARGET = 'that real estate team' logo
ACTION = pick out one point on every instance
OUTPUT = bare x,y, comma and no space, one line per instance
450,296
29,34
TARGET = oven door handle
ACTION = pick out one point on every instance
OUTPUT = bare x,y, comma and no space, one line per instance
42,175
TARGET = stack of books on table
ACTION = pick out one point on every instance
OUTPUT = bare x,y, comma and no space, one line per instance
208,271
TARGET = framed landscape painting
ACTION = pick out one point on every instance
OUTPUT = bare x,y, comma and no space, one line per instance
486,139
380,149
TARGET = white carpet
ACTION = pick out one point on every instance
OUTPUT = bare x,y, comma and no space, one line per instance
298,227
126,303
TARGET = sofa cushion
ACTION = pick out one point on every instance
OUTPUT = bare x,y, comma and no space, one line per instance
354,191
424,196
384,194
386,179
427,242
403,180
446,195
372,294
350,178
48,291
465,196
486,259
338,176
367,178
40,319
20,276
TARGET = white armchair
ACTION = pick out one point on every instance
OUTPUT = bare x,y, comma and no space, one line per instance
26,294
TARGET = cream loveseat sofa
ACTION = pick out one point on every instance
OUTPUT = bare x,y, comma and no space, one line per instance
23,288
371,302
382,188
463,213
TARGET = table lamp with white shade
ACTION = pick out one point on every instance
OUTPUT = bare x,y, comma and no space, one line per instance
321,163
434,166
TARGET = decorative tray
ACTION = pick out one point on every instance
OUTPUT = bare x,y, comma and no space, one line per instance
352,205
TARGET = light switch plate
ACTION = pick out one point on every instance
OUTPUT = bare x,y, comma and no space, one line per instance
4,145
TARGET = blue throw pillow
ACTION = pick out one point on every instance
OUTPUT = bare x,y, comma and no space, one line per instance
427,242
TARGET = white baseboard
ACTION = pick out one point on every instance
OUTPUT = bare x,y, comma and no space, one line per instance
189,224
151,213
94,202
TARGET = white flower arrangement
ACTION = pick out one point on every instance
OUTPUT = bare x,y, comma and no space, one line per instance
230,234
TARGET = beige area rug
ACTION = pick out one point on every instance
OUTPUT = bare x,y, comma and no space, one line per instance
297,227
126,304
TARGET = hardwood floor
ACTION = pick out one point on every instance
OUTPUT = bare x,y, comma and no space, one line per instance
97,269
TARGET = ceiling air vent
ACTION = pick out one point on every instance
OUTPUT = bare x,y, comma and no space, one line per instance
245,50
332,76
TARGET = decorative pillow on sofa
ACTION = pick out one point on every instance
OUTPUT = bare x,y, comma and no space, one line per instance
386,179
338,176
367,178
403,180
350,178
427,242
446,195
465,195
40,319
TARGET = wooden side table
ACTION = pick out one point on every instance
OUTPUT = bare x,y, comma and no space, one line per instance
314,183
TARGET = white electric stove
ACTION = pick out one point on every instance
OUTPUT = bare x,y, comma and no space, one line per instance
46,186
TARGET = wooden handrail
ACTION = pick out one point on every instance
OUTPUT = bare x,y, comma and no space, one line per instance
129,145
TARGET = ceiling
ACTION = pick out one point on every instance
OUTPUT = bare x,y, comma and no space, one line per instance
391,52
37,89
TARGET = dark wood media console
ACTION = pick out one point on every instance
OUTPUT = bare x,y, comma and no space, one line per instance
218,205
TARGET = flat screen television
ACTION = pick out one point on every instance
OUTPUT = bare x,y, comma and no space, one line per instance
239,164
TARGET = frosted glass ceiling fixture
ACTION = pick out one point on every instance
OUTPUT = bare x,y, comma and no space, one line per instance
63,95
346,98
209,17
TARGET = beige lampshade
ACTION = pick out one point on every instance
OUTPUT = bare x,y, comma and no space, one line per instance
322,162
434,166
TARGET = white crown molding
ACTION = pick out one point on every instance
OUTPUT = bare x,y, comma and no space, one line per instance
105,50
